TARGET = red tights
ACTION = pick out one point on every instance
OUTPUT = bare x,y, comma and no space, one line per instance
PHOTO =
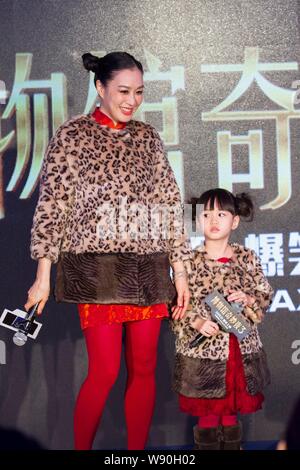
104,345
212,421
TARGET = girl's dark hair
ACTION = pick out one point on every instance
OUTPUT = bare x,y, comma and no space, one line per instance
105,67
240,204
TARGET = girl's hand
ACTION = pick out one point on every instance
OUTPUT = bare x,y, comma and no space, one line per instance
206,327
241,298
183,298
38,292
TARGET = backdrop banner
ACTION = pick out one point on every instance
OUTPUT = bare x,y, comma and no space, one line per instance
222,87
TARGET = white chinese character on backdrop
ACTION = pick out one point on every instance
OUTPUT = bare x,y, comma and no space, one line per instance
294,248
269,247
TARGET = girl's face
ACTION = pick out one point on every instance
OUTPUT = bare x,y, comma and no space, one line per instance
122,95
217,224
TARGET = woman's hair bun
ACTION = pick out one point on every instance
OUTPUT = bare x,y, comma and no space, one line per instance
90,62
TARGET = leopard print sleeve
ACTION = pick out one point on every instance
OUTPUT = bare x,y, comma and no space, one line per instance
259,288
185,329
55,195
198,292
167,193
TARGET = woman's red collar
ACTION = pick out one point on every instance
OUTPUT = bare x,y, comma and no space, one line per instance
104,120
224,259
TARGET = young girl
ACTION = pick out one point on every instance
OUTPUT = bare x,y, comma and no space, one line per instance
221,377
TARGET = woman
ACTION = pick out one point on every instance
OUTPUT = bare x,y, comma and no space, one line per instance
105,183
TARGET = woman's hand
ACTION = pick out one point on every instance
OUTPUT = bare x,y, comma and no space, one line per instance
183,298
40,290
241,298
206,327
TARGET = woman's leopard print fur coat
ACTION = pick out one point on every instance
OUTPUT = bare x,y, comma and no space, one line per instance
86,172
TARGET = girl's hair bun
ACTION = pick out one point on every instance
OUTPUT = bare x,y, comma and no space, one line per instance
244,206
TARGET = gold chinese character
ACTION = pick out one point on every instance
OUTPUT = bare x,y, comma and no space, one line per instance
251,72
19,105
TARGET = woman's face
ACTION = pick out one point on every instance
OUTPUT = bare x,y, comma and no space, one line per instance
122,95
